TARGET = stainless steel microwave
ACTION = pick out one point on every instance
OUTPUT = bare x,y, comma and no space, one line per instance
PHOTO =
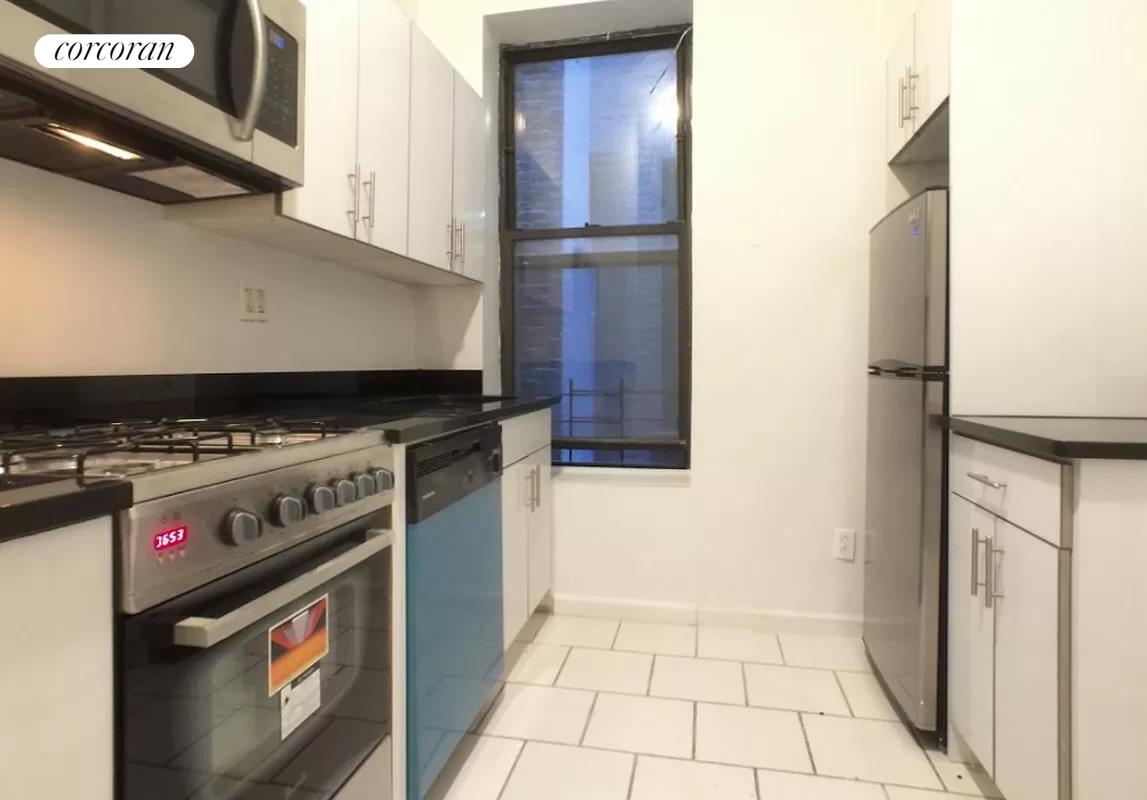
229,123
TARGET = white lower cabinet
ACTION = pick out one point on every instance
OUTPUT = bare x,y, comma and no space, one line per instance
971,631
1008,595
541,529
527,520
517,484
1026,581
56,704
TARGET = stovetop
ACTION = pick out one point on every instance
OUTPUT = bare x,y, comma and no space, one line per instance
132,448
135,447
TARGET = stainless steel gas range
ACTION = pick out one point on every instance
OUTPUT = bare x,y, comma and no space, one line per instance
254,598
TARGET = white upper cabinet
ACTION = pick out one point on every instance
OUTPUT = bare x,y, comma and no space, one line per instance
933,57
432,229
383,124
328,198
470,132
396,156
917,73
898,123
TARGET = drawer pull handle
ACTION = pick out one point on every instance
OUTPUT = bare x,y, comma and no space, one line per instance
979,477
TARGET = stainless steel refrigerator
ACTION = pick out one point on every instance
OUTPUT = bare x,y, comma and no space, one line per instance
907,454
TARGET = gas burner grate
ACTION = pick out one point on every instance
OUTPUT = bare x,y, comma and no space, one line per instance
135,446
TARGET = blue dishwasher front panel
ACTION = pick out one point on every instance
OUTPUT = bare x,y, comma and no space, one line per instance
454,628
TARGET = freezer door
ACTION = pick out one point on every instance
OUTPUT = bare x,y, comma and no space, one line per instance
908,278
902,542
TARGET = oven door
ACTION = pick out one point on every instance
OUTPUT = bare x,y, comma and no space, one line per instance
270,684
206,102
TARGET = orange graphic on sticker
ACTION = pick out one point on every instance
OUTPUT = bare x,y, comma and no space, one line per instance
297,644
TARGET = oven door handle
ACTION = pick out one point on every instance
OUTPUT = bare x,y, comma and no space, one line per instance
204,632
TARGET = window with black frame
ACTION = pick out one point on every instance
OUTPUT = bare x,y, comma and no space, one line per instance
596,244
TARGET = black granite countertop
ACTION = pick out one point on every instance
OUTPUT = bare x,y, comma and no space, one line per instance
456,416
34,503
1059,438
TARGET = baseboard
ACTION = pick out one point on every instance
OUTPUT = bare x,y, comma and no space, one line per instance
685,614
631,610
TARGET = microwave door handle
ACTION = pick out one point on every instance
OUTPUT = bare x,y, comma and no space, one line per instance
243,128
205,632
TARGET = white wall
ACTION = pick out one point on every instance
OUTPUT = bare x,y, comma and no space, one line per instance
96,282
787,182
1049,243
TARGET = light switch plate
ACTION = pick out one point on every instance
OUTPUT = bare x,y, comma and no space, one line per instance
844,544
253,303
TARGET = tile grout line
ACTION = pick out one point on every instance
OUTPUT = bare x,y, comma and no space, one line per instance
757,782
884,788
632,778
697,642
932,764
558,674
807,745
693,751
781,649
682,759
588,717
649,683
722,703
513,767
782,663
847,703
744,684
616,633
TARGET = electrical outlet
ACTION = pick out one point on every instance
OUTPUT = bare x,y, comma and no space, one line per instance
253,305
844,545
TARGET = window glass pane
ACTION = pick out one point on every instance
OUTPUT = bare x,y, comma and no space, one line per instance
660,459
596,140
597,323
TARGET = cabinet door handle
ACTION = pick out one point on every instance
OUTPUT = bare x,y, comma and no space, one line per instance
994,551
532,488
991,579
910,90
462,248
538,488
352,214
980,477
371,188
975,561
900,102
450,238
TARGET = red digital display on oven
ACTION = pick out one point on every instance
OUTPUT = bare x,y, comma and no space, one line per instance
169,540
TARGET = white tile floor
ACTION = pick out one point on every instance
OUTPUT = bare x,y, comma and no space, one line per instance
601,710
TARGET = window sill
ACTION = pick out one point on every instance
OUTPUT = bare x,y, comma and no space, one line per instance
633,476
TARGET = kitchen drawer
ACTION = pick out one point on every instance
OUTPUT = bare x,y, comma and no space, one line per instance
524,435
1027,492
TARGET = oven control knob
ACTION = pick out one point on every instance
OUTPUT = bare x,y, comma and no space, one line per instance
345,491
287,510
383,479
242,527
364,484
321,499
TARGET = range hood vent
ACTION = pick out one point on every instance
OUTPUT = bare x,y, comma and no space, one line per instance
55,131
